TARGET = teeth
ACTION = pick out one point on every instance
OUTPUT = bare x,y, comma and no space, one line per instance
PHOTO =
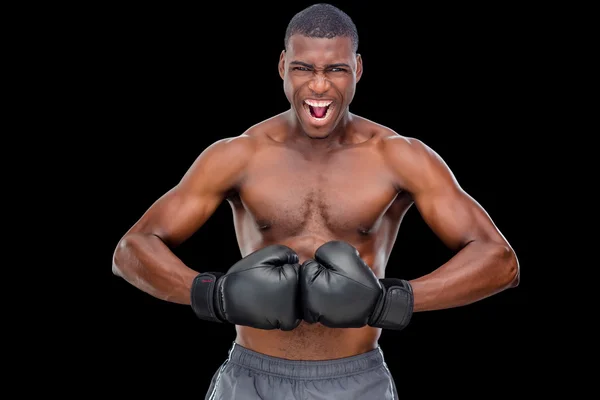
316,103
323,118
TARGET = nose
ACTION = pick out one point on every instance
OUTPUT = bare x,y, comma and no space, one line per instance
319,84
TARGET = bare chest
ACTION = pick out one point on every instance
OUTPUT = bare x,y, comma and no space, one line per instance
338,194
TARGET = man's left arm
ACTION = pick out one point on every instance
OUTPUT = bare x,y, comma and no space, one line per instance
484,263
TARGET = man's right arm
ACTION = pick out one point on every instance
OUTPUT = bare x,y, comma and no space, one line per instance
143,256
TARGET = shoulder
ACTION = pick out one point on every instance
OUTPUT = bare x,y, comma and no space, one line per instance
227,159
247,142
391,143
237,151
412,163
220,165
404,149
224,151
393,146
269,130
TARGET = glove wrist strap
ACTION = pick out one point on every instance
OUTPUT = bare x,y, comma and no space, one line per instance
395,307
204,296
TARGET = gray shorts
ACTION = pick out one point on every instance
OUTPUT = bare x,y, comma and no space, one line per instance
247,375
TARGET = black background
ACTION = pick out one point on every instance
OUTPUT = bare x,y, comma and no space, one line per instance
176,79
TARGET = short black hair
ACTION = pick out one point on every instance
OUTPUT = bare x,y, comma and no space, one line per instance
322,20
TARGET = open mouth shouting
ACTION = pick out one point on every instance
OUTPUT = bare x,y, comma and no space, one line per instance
319,111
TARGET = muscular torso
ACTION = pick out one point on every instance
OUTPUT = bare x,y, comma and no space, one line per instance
304,199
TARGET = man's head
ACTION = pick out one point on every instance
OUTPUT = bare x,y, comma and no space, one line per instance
320,67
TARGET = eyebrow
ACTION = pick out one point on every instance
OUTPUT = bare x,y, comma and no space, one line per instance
337,65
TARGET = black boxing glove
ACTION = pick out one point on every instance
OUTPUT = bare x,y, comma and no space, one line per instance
261,290
339,290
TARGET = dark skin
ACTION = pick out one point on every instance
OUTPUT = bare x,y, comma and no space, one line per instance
302,182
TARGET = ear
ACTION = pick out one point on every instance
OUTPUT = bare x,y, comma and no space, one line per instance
281,66
359,67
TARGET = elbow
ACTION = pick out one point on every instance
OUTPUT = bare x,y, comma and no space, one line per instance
118,255
510,270
123,255
130,251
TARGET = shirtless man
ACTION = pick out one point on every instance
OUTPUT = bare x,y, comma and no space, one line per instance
318,195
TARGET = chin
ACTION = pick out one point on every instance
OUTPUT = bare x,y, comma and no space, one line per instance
318,135
317,132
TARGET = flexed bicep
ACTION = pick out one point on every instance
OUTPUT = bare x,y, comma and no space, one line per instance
484,262
180,212
453,215
144,255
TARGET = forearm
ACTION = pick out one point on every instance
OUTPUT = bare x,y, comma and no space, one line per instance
477,271
147,263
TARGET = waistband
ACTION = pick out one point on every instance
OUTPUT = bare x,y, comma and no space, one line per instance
305,369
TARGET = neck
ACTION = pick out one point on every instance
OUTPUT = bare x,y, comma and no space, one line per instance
340,135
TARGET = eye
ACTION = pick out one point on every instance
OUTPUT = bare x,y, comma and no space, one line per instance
337,70
300,69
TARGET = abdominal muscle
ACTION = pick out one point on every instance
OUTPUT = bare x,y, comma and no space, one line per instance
308,341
